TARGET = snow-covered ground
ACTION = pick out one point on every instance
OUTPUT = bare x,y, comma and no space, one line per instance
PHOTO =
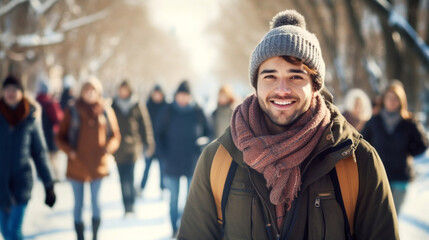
151,220
414,215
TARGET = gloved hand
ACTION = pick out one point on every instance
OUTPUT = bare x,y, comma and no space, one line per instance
50,196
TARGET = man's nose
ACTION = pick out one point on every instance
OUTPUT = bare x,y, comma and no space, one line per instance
283,87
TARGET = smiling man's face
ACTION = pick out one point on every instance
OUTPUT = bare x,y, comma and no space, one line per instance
284,92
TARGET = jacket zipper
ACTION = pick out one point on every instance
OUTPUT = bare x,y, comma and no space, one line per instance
317,204
321,196
277,235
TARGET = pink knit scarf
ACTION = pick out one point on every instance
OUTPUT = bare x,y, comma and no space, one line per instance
278,157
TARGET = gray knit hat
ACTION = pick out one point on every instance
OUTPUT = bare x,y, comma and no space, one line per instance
288,37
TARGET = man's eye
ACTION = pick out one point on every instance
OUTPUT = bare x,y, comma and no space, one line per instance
269,77
296,77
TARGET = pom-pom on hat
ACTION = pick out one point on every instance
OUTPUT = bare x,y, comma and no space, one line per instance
288,36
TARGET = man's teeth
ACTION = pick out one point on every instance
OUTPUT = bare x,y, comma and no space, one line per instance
282,102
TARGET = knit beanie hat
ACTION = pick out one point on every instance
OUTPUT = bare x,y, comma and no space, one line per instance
184,87
288,37
157,88
12,80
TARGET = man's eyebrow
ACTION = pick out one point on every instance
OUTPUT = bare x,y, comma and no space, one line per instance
298,71
265,71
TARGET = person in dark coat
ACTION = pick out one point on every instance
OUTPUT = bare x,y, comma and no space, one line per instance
67,94
154,104
21,140
135,126
397,138
52,115
180,125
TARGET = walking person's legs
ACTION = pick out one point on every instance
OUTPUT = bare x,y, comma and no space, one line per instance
78,191
172,183
399,190
161,174
148,163
126,174
95,204
16,218
4,217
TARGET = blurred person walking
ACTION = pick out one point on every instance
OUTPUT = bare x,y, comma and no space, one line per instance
357,108
21,140
397,137
135,126
67,94
222,115
181,124
88,134
155,104
52,115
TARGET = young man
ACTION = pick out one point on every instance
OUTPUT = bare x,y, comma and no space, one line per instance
286,140
21,142
135,126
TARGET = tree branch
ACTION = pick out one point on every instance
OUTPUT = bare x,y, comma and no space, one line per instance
401,25
9,6
84,21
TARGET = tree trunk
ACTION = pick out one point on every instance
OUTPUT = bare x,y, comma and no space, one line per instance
410,74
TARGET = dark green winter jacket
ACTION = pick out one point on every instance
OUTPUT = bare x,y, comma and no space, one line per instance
248,200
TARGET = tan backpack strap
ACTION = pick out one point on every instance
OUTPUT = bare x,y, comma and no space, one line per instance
218,175
348,178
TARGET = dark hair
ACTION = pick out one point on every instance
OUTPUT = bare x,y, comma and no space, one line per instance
315,76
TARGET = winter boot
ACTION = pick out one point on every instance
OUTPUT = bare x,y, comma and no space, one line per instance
95,226
80,228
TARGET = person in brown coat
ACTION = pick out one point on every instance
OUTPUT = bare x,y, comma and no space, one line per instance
88,134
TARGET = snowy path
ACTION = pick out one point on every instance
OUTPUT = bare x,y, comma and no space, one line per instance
414,215
152,221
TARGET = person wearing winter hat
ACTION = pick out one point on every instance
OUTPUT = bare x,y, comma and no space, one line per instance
285,141
179,126
88,135
135,126
22,142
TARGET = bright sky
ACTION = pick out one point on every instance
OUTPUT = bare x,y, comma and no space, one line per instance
187,19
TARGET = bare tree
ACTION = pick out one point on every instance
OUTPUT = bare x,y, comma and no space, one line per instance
112,39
